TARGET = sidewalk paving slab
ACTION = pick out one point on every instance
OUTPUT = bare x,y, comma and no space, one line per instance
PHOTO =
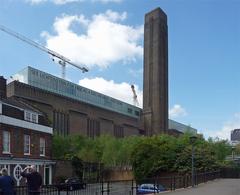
216,187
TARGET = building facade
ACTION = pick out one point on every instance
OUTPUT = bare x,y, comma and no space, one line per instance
72,109
25,138
235,136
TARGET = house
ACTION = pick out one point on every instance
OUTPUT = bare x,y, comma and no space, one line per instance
25,138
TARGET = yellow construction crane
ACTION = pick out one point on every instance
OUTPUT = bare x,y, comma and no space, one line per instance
63,61
135,100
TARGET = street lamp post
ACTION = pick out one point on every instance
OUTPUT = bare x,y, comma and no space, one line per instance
233,151
192,141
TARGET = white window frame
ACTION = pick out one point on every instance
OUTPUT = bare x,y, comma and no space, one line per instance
8,142
0,108
35,120
42,146
29,116
27,144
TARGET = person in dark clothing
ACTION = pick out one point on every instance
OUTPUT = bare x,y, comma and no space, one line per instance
34,180
6,183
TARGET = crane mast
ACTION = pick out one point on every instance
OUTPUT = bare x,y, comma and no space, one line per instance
63,61
135,100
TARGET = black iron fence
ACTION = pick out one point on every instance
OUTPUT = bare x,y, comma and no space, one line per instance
181,181
230,172
123,187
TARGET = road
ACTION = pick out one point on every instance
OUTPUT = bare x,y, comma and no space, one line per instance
217,187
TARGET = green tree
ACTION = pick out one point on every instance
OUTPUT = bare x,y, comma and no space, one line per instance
60,147
153,155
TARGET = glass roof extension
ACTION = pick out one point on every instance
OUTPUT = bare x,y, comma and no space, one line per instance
45,81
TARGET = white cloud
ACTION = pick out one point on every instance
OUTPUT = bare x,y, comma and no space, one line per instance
61,2
34,2
105,39
108,1
177,111
57,2
136,73
121,91
228,126
62,25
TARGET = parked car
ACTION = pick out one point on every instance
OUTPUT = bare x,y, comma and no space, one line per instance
72,184
149,189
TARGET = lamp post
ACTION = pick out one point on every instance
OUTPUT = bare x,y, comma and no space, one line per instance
192,141
233,151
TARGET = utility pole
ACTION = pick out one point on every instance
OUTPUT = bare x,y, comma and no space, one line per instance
192,141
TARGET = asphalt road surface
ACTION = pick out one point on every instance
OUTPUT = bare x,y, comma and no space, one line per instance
217,187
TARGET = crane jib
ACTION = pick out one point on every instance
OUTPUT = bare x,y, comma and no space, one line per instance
62,60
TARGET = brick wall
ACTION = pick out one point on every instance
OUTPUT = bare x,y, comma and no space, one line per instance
118,175
62,170
17,142
77,111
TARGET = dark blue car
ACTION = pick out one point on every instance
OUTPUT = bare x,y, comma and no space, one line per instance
71,184
149,189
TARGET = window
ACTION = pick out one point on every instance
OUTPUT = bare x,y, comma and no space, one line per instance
118,131
137,113
26,144
6,142
129,110
93,128
34,118
42,147
29,116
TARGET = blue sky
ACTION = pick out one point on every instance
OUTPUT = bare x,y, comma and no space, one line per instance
107,36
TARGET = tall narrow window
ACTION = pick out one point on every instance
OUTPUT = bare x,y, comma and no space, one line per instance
34,118
27,116
118,131
93,128
26,144
42,146
6,142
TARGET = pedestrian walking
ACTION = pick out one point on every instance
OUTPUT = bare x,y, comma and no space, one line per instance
34,180
6,183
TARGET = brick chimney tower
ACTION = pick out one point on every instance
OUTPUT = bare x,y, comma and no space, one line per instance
155,85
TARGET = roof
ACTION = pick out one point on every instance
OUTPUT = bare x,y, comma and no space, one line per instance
20,103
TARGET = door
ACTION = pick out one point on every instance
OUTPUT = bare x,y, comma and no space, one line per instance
46,175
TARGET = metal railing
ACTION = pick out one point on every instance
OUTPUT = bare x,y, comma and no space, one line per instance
128,187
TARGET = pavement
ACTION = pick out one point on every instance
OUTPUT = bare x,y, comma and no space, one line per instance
216,187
